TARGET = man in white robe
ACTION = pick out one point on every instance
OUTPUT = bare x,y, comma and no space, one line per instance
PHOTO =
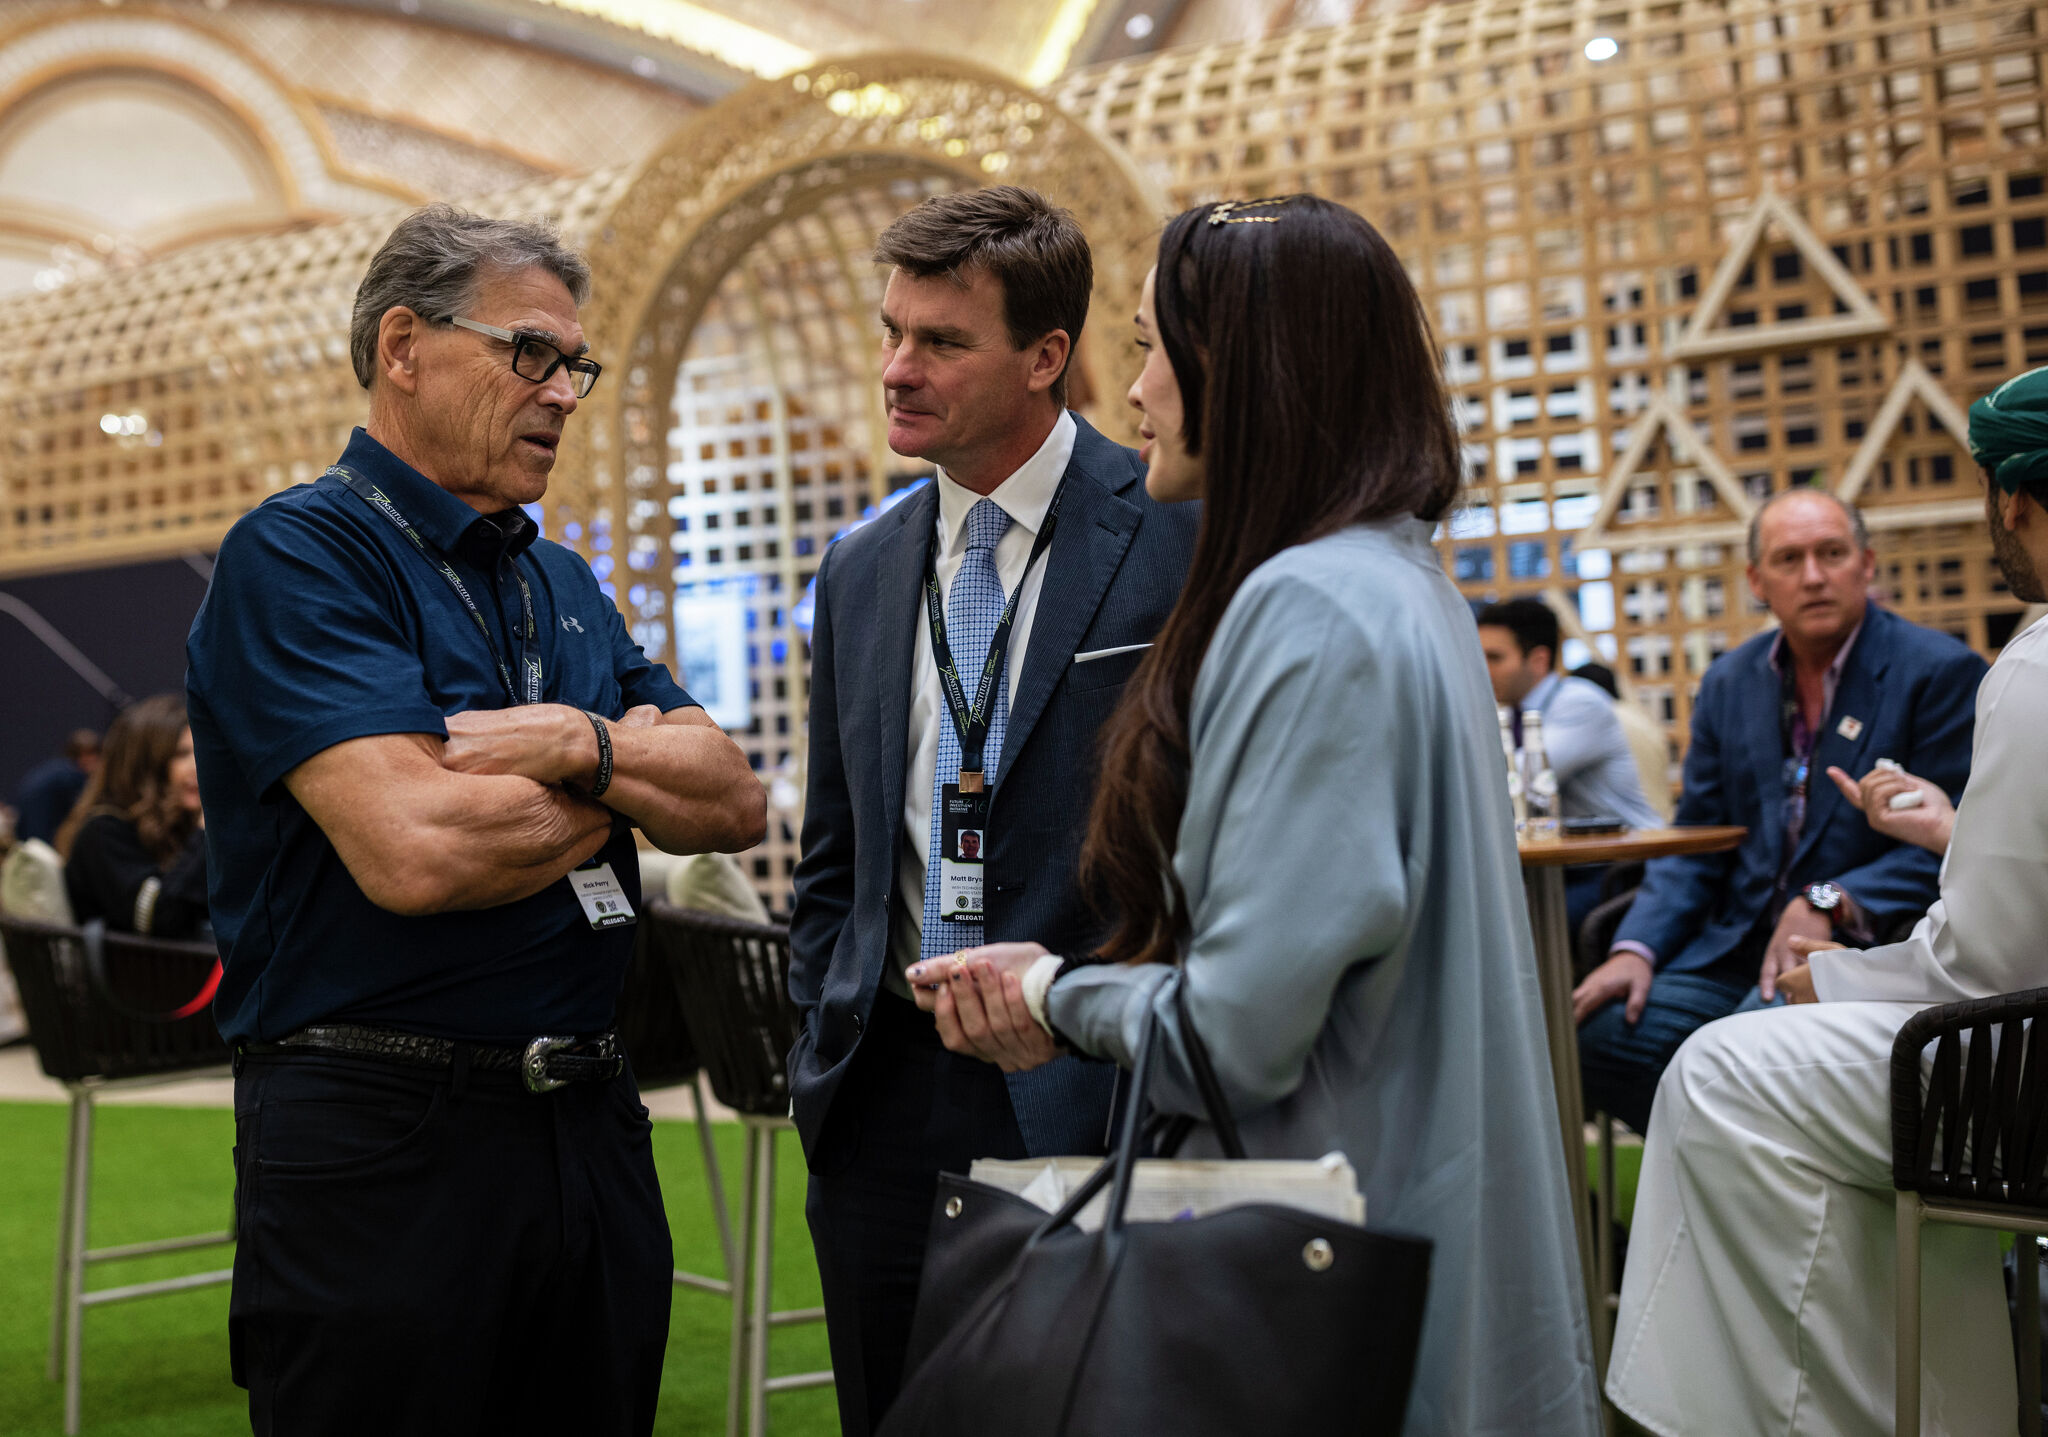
1759,1291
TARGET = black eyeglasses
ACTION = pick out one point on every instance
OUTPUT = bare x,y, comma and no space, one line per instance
533,358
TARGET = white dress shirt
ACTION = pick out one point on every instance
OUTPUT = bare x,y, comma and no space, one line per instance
1025,496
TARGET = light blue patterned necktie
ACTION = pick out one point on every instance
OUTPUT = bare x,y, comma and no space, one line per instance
973,605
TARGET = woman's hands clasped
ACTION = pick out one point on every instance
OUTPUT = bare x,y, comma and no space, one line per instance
976,997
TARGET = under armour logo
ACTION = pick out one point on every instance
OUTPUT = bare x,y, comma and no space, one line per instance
569,623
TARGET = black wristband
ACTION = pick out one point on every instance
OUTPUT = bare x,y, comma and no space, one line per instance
604,756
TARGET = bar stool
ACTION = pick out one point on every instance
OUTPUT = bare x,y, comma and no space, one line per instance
106,1012
1972,1148
658,1045
732,983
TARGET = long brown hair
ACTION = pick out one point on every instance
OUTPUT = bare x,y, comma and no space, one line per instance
1312,389
133,780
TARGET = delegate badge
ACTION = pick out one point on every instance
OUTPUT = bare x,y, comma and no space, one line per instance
963,840
604,900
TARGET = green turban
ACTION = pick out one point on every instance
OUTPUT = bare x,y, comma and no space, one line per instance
2009,433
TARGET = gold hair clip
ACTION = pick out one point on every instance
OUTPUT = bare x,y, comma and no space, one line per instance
1221,215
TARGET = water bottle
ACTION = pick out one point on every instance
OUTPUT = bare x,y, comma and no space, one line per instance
1507,747
1541,784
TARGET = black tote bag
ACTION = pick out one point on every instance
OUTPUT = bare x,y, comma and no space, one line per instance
1260,1318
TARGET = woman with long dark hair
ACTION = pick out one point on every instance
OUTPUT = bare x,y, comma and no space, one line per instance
1303,815
134,848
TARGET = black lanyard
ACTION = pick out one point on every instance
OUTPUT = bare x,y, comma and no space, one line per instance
376,498
972,724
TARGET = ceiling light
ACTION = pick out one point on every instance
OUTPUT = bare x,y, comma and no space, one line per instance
1138,26
698,28
1602,47
1061,35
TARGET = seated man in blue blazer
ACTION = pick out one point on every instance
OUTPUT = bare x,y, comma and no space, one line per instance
945,814
1840,683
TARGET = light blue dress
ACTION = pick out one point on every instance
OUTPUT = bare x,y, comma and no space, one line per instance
1361,965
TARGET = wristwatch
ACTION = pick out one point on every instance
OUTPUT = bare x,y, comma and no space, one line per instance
1825,897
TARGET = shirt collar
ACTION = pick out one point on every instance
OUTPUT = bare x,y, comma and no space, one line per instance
443,520
1539,697
1025,496
1835,667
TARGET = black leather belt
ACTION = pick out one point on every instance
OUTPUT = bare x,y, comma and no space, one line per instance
543,1065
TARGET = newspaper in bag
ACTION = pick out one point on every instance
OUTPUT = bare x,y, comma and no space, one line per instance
1174,1190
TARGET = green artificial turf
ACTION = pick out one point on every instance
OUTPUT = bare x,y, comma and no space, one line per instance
160,1366
1628,1166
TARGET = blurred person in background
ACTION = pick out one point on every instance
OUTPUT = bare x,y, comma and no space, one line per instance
1647,739
1838,683
50,790
1589,754
1583,740
134,847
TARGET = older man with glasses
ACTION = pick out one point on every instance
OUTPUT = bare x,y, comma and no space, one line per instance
424,739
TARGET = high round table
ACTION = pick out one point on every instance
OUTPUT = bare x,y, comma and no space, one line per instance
1543,864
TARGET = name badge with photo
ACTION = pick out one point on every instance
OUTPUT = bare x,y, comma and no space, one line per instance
603,899
963,840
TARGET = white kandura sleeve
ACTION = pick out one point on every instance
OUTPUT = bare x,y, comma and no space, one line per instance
1984,935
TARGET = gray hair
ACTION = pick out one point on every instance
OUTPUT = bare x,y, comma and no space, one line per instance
1756,520
434,261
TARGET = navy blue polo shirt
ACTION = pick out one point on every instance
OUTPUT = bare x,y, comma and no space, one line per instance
323,624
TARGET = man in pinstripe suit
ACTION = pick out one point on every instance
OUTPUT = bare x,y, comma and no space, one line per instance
1034,559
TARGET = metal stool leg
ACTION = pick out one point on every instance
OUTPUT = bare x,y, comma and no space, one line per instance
2027,1250
74,1278
1906,1391
763,1269
737,1377
714,1180
1603,1249
60,1276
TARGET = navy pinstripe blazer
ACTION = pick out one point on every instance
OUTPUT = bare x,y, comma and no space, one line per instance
1113,571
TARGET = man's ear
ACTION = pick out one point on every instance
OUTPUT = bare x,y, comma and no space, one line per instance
1049,360
2018,510
398,337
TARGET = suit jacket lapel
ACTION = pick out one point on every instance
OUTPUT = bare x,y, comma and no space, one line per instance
1860,697
895,613
1767,755
1095,529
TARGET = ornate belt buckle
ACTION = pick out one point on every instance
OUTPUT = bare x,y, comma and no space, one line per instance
533,1064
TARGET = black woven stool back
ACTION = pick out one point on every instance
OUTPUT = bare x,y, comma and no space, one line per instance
651,1027
1978,1132
117,1022
732,979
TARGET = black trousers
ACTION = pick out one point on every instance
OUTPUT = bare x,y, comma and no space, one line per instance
907,1111
425,1253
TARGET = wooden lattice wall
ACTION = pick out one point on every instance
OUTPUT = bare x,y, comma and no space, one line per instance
147,411
1761,245
1567,219
776,447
